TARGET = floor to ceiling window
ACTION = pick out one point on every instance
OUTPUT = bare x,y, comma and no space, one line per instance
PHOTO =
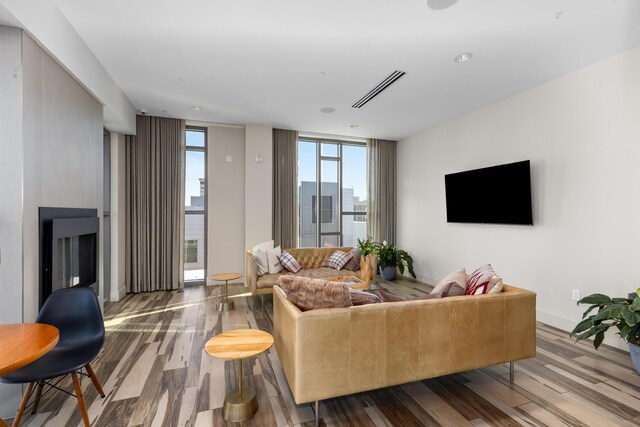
195,207
332,188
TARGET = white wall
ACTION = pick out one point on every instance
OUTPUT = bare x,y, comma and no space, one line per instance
63,150
258,184
582,135
11,165
50,155
118,220
225,227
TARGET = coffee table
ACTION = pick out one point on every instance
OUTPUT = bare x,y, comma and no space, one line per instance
21,344
240,403
225,304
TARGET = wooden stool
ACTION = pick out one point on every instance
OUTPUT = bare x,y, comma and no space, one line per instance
240,403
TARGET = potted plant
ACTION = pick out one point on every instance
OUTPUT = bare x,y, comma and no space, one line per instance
368,261
621,313
390,258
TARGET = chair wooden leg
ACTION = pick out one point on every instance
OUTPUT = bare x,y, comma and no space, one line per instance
94,380
83,407
23,404
37,400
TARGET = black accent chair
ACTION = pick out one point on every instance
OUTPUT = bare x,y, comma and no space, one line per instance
76,313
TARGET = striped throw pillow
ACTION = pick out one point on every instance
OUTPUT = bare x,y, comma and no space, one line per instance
482,280
289,262
338,260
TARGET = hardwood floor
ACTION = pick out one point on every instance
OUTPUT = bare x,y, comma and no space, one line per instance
155,373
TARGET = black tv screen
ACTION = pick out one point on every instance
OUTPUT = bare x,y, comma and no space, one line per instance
494,195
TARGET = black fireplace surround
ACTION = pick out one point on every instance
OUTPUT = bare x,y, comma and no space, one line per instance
68,249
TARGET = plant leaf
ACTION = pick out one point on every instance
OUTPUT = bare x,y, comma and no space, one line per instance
592,331
611,311
638,292
583,326
598,299
635,305
630,317
598,339
586,313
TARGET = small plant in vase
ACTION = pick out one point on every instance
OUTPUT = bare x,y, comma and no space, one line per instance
368,260
621,313
390,258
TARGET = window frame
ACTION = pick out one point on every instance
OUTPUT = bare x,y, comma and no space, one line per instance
204,210
339,159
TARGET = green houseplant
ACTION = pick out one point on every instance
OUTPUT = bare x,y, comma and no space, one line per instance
604,313
390,258
368,260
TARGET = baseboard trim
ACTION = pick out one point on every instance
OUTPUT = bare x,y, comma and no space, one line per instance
568,325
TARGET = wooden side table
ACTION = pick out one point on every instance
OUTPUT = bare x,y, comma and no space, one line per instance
21,344
240,403
225,304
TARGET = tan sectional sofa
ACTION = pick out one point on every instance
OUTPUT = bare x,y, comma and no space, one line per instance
334,352
310,259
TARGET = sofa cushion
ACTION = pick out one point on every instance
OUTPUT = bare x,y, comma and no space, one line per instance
338,260
310,294
313,257
274,261
363,298
354,262
289,262
389,297
495,285
480,280
270,280
453,284
259,252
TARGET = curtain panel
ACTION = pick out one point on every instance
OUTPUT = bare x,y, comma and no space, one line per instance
285,188
381,188
155,205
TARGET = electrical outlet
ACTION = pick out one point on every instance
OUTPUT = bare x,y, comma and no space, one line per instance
575,295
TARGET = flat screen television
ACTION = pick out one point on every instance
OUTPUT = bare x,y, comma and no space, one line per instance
494,195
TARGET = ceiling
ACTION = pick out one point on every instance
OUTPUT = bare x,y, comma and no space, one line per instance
279,62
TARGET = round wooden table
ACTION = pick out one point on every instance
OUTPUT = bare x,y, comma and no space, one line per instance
225,304
240,403
21,344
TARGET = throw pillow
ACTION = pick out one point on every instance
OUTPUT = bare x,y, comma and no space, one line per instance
496,285
274,262
478,282
363,298
289,262
389,297
338,260
310,294
260,254
354,262
453,284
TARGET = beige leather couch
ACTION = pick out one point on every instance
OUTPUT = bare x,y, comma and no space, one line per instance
334,352
310,259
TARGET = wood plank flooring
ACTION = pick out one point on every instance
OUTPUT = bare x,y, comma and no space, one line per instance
155,373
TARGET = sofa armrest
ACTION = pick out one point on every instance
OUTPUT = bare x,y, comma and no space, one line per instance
251,272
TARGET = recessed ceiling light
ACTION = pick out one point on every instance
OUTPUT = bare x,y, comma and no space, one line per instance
463,57
323,73
327,110
353,126
440,4
197,108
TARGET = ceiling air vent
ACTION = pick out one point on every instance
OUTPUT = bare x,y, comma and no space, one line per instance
376,90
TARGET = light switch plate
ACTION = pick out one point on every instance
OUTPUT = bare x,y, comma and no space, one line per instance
228,159
259,158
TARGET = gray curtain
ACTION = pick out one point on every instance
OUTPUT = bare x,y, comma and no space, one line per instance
285,188
155,205
381,198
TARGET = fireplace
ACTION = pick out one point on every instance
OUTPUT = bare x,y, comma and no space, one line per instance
68,249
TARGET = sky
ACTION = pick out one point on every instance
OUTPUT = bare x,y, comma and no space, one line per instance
353,169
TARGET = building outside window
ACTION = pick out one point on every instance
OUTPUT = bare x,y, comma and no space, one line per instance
337,171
